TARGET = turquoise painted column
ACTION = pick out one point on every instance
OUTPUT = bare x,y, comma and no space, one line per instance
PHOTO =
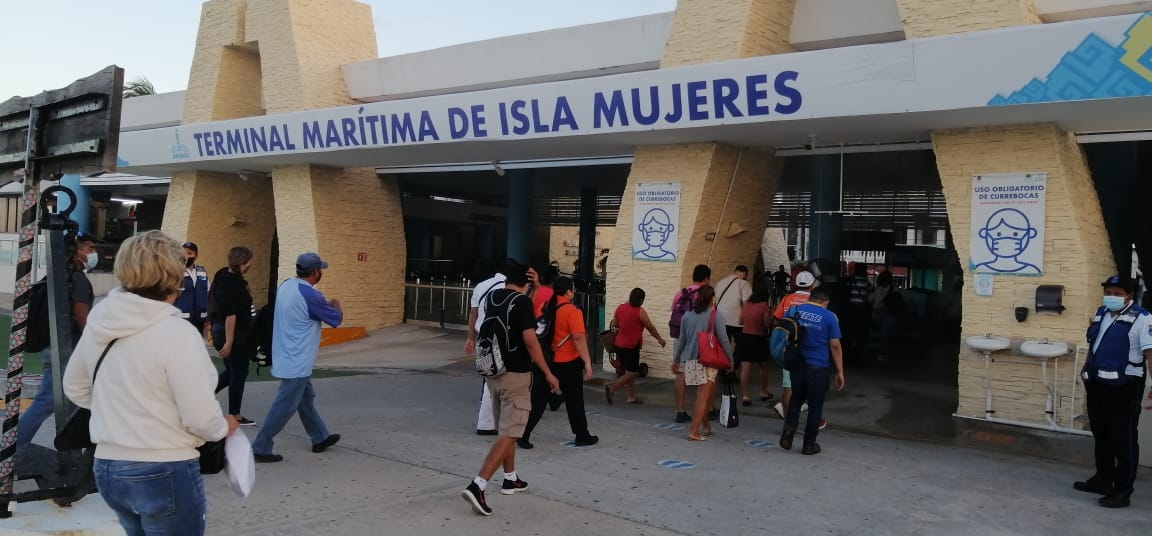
519,213
81,213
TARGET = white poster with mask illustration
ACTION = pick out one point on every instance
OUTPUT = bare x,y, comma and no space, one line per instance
1008,224
656,222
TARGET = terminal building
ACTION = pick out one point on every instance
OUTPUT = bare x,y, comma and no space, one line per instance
992,154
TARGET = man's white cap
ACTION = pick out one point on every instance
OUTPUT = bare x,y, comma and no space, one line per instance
805,279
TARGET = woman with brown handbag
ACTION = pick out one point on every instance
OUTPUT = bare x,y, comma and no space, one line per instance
703,322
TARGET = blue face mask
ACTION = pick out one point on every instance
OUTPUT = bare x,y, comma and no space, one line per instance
1114,303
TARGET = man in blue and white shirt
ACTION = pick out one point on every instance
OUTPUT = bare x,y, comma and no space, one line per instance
300,309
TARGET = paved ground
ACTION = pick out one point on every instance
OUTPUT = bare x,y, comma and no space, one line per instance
409,448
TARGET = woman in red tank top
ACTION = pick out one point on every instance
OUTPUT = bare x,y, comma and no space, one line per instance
629,323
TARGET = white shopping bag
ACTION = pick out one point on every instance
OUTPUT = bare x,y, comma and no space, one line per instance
241,463
729,415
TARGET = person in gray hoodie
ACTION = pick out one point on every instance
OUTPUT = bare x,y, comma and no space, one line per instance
146,376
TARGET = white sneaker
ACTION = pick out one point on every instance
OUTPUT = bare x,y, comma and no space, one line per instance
779,407
804,407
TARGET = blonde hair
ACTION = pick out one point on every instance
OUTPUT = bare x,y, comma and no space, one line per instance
150,264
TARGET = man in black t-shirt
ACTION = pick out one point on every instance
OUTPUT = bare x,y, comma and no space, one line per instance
81,298
511,391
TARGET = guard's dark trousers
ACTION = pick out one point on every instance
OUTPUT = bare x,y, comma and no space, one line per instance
1114,413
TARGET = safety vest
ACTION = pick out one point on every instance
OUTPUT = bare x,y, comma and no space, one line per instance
193,298
1110,364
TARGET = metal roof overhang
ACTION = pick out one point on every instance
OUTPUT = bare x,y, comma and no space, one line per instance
1132,114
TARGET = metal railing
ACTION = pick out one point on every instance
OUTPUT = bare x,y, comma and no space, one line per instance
442,302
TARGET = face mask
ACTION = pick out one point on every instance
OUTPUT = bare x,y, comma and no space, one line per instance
1114,303
92,260
190,262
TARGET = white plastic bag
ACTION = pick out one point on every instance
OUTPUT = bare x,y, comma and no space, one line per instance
241,463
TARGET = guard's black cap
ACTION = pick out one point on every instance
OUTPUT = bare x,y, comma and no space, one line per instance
1119,281
191,246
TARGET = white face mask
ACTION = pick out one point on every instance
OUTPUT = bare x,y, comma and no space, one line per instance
92,260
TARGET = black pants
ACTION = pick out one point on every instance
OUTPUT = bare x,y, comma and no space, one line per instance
809,384
235,373
1114,414
571,376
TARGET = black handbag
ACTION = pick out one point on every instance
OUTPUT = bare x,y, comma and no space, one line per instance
75,434
212,458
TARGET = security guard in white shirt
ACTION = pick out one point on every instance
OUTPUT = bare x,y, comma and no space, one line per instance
1119,342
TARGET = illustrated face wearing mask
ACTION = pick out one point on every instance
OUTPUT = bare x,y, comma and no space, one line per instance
1115,298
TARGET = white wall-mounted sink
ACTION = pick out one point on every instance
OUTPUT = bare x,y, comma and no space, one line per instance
988,343
1044,349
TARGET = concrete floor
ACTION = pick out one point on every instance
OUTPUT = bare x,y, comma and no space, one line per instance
409,447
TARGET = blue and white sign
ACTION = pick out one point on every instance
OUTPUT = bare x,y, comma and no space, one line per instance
1008,224
656,222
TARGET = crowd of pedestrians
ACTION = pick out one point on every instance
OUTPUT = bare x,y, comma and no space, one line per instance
546,360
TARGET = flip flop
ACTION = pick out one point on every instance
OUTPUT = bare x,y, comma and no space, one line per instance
707,433
637,401
767,398
608,393
690,438
746,402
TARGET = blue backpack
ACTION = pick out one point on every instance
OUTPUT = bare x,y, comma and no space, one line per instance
784,343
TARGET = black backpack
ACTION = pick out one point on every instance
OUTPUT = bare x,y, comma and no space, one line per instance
546,329
38,331
260,335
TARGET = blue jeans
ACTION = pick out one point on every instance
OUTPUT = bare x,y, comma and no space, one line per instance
809,384
41,408
154,497
294,396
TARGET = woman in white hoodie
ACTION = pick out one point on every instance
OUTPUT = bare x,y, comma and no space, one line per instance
152,402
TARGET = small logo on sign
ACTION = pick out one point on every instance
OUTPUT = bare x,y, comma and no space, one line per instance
179,150
361,257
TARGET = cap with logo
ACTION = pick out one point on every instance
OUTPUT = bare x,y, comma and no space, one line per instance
1121,282
805,279
310,262
191,246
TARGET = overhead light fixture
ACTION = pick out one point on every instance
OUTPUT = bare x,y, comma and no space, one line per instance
126,201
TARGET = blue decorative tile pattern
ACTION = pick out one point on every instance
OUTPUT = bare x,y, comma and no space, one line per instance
1095,70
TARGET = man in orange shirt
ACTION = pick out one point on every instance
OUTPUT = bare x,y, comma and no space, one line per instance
570,362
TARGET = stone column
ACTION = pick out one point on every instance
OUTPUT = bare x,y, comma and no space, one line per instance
1077,253
726,192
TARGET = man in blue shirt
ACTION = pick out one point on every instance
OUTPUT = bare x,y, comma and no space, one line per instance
300,309
820,347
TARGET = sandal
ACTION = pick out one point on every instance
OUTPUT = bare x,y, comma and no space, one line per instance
706,433
608,393
696,438
746,402
767,397
636,401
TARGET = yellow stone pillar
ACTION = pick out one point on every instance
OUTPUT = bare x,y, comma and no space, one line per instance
1077,254
926,18
257,57
726,192
221,210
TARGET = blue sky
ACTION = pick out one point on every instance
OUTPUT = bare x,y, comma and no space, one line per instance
46,44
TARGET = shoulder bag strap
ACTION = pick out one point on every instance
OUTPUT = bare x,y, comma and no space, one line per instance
101,361
721,298
565,339
712,321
